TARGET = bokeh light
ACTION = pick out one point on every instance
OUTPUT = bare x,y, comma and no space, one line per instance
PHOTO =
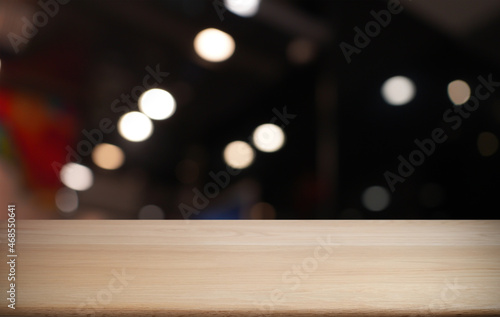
268,137
151,212
243,8
398,90
487,144
108,156
300,51
76,176
135,126
458,91
238,154
214,45
66,200
262,210
376,198
158,104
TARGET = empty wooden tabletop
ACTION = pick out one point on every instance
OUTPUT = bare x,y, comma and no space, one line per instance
252,268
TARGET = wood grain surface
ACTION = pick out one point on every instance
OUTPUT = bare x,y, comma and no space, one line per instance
254,268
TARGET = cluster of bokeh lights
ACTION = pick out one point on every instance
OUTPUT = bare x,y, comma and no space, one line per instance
154,104
266,138
401,90
216,46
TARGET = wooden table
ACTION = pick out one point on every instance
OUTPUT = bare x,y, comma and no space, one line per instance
254,268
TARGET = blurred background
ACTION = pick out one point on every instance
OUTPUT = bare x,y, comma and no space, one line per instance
247,109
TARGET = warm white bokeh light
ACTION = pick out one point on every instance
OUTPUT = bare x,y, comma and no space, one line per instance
459,92
398,90
135,126
66,200
487,144
158,104
238,154
214,45
76,176
376,198
244,8
108,156
268,137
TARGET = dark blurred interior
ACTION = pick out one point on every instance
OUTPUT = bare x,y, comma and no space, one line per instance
314,68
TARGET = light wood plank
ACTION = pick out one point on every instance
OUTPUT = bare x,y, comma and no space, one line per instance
255,268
